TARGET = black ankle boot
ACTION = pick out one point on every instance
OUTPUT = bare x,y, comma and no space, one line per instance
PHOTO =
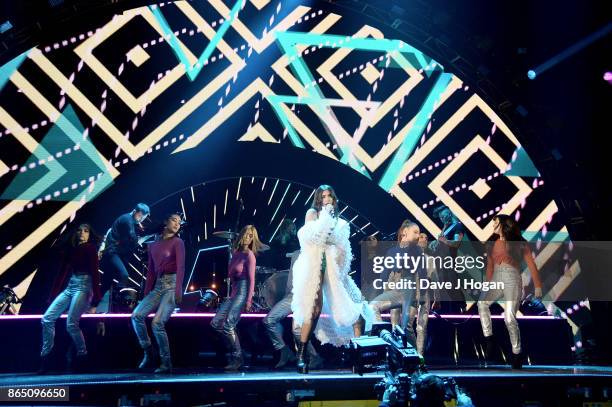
286,356
165,366
235,363
45,362
316,362
516,361
491,350
148,360
79,363
302,358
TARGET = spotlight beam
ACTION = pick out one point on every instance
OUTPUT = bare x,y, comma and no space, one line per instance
533,73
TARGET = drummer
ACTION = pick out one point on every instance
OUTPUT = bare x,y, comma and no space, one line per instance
284,242
283,252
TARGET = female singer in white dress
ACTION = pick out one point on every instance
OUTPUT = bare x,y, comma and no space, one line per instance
321,281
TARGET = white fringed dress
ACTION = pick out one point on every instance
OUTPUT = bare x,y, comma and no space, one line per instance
327,238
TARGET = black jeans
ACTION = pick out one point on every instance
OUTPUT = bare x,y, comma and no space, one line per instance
114,267
274,327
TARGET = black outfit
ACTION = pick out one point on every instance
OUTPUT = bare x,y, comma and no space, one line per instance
277,255
120,243
452,300
281,310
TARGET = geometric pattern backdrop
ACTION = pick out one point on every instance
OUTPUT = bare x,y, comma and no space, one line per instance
163,79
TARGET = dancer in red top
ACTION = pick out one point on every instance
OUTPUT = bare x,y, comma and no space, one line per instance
504,259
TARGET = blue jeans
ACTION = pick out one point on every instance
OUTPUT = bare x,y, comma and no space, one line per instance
228,316
161,298
75,298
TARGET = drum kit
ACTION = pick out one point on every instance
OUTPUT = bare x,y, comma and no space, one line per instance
8,300
269,282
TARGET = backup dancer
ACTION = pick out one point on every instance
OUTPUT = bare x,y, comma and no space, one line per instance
80,266
241,271
408,236
504,259
163,291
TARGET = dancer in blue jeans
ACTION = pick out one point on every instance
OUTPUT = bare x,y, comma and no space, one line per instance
80,264
163,291
241,271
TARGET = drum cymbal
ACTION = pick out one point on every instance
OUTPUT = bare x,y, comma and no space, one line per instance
225,234
264,270
264,247
146,239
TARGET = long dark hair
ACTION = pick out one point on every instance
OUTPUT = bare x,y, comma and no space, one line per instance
515,243
93,236
317,199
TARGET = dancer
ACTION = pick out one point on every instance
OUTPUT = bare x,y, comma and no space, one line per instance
321,283
163,291
80,264
119,242
285,247
408,236
504,260
241,271
447,244
284,242
424,299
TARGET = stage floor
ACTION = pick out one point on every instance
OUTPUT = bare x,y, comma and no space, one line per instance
266,387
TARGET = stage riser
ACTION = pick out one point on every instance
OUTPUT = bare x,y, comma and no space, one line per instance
544,341
499,388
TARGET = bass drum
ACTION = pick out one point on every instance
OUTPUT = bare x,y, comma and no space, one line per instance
274,288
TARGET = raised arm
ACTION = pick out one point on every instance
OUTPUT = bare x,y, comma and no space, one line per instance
316,230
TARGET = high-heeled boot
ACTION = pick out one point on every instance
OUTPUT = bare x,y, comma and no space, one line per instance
302,358
491,351
148,360
165,366
285,357
236,360
516,361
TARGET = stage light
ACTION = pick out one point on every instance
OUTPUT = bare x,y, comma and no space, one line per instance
5,26
531,74
208,297
608,77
